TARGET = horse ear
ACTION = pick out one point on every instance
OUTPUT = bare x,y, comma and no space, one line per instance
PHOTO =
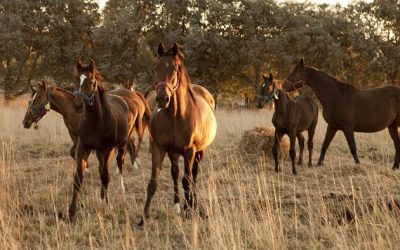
302,61
79,65
278,84
264,77
92,65
160,49
175,49
271,77
42,84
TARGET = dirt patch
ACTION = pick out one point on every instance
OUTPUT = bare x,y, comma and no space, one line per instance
260,140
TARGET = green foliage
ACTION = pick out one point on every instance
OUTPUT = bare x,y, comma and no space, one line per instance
227,43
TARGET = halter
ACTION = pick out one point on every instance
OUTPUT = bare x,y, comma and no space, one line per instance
41,107
294,84
273,95
168,85
88,99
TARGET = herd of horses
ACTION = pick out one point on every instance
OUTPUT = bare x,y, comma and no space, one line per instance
181,121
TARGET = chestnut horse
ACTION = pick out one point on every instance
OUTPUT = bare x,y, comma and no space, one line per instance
107,122
350,109
45,97
184,124
291,117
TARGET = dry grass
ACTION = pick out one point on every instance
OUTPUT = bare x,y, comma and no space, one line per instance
340,205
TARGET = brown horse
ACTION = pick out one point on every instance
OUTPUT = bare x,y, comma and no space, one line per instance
151,100
350,109
107,122
184,124
46,97
43,99
291,117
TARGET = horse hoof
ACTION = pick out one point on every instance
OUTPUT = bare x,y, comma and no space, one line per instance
177,208
294,172
309,165
135,166
320,164
117,171
140,225
395,168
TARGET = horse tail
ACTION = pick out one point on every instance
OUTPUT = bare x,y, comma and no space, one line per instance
147,112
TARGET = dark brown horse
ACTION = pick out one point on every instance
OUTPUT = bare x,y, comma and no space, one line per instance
107,122
183,124
291,117
350,109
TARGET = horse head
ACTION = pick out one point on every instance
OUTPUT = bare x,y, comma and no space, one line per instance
168,74
297,77
267,91
38,105
85,85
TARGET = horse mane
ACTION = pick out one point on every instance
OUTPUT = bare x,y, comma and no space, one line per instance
65,91
343,87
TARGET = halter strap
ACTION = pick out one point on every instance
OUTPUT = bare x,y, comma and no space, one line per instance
44,106
88,99
298,81
268,98
168,85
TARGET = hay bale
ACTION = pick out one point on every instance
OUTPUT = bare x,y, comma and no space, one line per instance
260,140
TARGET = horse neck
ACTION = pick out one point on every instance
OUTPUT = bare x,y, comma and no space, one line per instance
323,85
100,108
61,102
282,103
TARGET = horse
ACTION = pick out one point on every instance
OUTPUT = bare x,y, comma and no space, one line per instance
107,122
291,117
45,98
184,124
350,109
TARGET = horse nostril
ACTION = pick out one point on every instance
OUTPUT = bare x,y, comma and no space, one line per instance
166,99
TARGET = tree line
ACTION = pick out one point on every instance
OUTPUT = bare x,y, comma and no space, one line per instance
227,44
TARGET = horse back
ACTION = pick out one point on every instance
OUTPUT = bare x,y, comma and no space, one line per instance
306,111
376,108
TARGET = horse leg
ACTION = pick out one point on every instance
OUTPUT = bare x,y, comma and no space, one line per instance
330,133
187,181
104,174
292,151
301,140
349,134
120,163
195,171
277,141
157,157
175,177
82,155
395,137
310,144
132,152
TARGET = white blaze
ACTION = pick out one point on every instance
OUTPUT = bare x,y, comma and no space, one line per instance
33,97
83,77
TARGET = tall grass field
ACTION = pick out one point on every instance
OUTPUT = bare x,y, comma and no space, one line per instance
340,205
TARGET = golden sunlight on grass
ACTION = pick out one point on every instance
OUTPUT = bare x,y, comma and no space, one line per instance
339,205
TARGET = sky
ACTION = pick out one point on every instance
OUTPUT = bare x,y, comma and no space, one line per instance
342,2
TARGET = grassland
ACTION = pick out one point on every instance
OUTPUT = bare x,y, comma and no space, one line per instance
340,205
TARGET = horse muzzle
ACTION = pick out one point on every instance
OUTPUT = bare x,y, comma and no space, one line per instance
163,101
